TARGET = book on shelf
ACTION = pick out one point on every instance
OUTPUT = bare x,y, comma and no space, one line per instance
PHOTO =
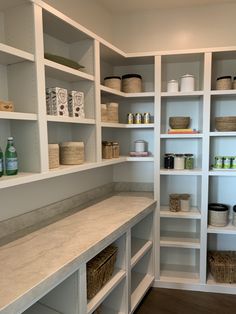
139,154
183,131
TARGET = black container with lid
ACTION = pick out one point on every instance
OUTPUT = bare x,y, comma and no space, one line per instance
169,161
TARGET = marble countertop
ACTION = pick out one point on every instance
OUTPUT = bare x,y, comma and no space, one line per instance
34,264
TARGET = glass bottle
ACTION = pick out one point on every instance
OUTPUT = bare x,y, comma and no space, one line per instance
1,162
11,160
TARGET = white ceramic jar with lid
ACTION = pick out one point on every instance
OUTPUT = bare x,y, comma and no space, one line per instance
172,86
139,146
187,83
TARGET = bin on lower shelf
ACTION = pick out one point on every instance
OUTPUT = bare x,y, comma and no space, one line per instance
222,265
100,270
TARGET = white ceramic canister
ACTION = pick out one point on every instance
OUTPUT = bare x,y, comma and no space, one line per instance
139,146
187,83
172,86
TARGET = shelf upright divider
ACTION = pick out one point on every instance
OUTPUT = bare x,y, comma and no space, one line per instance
157,143
205,165
40,97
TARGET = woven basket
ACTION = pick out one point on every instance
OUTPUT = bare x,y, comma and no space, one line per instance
225,124
53,155
100,269
179,122
132,83
222,265
71,153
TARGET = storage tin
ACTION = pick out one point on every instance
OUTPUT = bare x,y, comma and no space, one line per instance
71,153
146,117
132,83
217,214
172,86
130,118
224,82
187,83
138,118
53,156
139,146
113,82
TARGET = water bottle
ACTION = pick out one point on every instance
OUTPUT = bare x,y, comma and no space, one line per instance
11,161
1,162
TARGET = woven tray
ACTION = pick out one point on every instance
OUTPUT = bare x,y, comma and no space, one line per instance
222,265
100,269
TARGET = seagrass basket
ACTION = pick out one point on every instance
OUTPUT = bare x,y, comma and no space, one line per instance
100,270
179,122
222,265
225,124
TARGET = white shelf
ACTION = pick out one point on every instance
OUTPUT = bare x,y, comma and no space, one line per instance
229,229
126,95
113,161
179,274
117,277
194,213
10,55
223,172
180,239
18,116
127,126
183,94
225,134
59,71
199,135
224,92
139,248
140,159
140,284
196,172
221,287
39,308
70,120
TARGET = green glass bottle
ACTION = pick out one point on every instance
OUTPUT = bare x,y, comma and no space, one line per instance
1,162
11,160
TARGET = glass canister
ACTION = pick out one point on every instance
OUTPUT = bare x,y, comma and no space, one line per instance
115,150
174,202
169,161
106,150
185,202
179,162
189,161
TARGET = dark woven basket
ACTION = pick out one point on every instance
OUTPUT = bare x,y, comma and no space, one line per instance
100,270
222,265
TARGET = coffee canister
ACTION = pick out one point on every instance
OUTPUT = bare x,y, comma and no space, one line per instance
139,146
187,83
172,86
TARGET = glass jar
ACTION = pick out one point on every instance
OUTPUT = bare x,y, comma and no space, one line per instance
189,161
179,162
174,202
219,162
227,162
169,161
115,150
185,202
106,150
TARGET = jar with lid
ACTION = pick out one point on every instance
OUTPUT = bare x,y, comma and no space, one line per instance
179,162
139,146
115,150
107,150
219,162
169,161
185,202
224,82
189,161
174,202
187,83
227,162
172,86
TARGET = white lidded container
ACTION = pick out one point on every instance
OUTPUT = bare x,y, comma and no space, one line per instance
172,86
139,146
187,83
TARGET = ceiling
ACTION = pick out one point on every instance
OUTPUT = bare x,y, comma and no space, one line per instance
129,6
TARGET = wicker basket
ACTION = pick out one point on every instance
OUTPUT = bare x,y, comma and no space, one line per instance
225,124
222,265
218,214
71,153
179,122
53,156
113,82
100,269
132,83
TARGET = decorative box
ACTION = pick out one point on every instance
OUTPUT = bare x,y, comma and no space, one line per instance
56,100
6,105
76,104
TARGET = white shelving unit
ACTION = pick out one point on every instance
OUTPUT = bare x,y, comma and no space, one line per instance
180,259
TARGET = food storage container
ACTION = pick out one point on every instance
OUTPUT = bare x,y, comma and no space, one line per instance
107,151
185,202
179,162
115,150
169,161
172,86
71,153
187,83
224,82
112,112
139,146
132,83
218,214
104,116
189,161
53,155
174,202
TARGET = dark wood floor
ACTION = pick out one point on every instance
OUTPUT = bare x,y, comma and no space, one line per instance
168,301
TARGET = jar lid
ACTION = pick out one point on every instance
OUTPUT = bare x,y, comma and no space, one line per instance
217,207
112,77
169,154
224,77
179,155
173,81
188,155
139,141
115,143
186,75
106,143
131,75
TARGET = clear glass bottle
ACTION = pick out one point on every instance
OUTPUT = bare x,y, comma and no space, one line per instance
1,163
11,160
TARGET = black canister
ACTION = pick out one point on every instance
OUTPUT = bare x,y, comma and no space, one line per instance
169,161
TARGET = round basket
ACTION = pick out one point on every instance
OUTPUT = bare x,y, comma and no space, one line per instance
179,122
132,83
72,153
225,124
218,214
113,82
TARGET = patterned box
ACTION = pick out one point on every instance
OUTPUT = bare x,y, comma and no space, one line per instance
76,104
57,102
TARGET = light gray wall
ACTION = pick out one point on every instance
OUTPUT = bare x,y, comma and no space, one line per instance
173,29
